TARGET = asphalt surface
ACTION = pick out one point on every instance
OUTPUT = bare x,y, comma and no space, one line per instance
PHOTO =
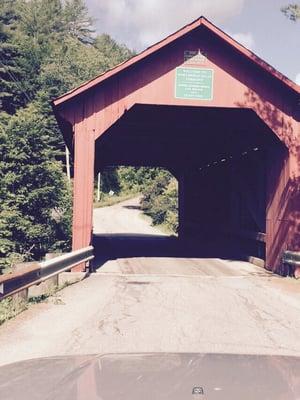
138,302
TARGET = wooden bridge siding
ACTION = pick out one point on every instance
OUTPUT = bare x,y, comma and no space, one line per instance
209,202
237,83
83,184
283,207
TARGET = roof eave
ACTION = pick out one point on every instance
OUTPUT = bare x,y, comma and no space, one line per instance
183,31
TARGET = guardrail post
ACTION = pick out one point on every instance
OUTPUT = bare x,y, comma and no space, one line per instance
49,284
19,267
291,261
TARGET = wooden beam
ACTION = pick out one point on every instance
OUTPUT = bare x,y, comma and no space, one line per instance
83,187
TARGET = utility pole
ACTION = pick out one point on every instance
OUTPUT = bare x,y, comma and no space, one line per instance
68,164
98,186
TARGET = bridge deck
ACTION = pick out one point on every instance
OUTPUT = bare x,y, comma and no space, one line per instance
149,251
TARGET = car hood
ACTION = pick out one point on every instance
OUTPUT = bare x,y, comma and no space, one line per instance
153,376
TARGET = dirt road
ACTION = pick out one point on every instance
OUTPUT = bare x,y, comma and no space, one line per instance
124,217
153,304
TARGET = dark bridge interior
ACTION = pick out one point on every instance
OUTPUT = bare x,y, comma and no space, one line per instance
181,136
219,156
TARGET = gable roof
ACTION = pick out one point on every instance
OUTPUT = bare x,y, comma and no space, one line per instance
202,21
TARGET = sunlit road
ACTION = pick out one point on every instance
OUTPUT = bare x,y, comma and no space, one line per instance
153,304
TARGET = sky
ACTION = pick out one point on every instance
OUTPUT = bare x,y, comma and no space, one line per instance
257,24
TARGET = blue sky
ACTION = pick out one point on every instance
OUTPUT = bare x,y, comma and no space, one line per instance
258,24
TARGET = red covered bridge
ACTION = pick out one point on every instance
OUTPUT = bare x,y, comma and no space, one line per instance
224,122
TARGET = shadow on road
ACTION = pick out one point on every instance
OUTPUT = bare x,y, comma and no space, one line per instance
132,207
113,246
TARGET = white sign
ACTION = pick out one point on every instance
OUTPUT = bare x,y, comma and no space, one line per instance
194,57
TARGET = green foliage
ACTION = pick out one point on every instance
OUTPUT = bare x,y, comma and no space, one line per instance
133,179
110,181
171,216
160,201
47,47
126,180
112,53
11,92
10,307
33,189
292,11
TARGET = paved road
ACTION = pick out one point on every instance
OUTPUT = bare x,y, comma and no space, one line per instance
170,304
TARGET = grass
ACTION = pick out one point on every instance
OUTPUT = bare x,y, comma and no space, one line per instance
165,229
11,307
161,227
107,200
14,305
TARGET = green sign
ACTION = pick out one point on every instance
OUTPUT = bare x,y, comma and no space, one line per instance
194,83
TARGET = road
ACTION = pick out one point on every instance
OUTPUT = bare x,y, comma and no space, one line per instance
147,303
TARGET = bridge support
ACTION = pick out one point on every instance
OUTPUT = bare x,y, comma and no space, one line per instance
83,188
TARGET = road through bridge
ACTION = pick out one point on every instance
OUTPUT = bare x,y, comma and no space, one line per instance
158,304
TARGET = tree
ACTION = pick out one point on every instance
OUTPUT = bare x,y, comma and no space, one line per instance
12,94
112,53
292,11
77,21
34,192
47,47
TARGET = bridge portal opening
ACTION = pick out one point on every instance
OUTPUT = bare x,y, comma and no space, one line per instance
223,160
143,224
152,190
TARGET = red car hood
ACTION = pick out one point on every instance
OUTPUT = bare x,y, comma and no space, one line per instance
157,376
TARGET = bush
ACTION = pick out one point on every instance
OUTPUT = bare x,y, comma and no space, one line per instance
110,180
160,201
34,194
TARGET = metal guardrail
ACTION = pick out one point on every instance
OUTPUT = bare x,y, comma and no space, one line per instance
33,275
290,263
291,257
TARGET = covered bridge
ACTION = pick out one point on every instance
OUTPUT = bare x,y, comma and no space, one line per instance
223,121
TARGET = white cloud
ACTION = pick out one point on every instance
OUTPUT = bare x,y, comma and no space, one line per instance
246,39
297,79
140,23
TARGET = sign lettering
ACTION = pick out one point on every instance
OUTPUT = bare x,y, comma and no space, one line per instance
194,83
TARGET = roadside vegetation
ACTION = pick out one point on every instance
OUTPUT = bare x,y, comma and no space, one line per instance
160,202
14,305
10,308
47,47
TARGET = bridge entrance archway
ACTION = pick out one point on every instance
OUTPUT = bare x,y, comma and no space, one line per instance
225,123
221,157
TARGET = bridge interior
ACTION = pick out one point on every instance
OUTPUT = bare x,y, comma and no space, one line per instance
222,159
